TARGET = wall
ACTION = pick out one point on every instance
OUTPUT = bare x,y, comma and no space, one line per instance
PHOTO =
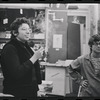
54,55
58,27
94,16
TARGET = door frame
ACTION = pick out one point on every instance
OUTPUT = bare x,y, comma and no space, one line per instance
85,13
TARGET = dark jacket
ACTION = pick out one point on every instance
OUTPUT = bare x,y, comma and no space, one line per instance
20,74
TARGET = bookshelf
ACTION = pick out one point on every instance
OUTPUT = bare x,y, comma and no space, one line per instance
36,16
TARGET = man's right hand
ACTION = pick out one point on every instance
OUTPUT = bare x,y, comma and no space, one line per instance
39,53
84,83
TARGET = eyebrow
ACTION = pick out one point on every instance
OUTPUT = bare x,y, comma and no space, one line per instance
25,27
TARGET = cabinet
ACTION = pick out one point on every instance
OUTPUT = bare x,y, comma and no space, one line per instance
1,84
4,38
62,83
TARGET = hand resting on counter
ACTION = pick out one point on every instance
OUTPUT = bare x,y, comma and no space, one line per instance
63,62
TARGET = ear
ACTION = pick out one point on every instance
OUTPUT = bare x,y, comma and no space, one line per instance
14,33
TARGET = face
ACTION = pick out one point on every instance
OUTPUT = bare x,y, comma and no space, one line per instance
96,47
24,32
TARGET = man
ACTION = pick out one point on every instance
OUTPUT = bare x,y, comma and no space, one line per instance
20,65
85,70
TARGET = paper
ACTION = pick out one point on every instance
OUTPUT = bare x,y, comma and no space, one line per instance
57,41
63,63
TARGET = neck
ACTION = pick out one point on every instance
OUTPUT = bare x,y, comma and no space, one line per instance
20,40
95,55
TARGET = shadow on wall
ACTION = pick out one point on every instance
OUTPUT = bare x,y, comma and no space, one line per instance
98,26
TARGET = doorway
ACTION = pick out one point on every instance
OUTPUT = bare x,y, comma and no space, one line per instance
75,34
73,41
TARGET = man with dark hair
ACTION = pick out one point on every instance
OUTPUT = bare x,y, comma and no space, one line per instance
20,65
85,70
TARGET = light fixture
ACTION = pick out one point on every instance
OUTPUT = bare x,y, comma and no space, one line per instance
21,11
5,21
72,7
75,20
58,5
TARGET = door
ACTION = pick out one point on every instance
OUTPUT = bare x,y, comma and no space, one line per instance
74,48
73,41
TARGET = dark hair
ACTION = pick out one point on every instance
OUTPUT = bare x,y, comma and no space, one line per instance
16,23
93,38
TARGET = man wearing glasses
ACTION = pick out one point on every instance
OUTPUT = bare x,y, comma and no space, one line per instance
85,70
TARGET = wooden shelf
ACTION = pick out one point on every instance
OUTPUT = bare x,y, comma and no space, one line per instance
38,40
4,40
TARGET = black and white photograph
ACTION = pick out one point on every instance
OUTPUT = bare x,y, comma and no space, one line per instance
49,50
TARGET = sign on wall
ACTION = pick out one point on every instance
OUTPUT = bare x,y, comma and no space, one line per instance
57,41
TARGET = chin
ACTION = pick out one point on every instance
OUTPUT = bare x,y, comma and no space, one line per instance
26,39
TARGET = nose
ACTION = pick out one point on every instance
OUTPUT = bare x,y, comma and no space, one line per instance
28,31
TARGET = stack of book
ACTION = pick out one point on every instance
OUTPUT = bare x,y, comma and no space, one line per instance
46,87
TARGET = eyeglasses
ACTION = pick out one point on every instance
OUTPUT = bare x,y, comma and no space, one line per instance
97,43
25,29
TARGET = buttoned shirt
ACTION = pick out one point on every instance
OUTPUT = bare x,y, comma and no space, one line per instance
83,67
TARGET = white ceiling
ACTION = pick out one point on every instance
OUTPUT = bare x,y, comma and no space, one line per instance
24,5
82,5
41,5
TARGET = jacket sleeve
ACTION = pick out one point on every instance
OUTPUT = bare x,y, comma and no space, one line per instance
11,65
38,73
74,70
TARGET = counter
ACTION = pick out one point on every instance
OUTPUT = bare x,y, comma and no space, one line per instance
58,74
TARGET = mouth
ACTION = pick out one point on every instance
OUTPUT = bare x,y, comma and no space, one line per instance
98,49
27,37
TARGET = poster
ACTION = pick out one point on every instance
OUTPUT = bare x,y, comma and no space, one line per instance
57,41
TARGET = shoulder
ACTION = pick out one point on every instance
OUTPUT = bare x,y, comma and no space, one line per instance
83,57
8,47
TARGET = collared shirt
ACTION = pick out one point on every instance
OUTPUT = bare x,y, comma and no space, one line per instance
87,71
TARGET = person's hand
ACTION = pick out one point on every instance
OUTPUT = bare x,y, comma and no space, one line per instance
39,53
84,83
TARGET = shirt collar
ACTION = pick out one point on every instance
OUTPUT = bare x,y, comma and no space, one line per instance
19,42
88,57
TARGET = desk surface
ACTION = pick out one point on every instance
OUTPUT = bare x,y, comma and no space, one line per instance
58,64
